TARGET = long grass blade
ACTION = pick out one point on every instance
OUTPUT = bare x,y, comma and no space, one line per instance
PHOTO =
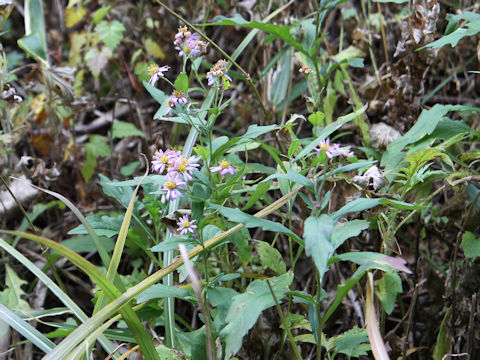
27,330
375,337
55,289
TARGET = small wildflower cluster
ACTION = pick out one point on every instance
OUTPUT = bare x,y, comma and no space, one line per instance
177,97
218,71
179,170
156,72
224,168
189,44
333,150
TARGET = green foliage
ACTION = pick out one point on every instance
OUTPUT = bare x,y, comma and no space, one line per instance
246,308
121,129
111,33
13,295
470,245
271,257
388,287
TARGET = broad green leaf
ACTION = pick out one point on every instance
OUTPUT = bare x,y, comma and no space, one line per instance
99,14
85,244
271,257
318,240
374,260
293,176
97,146
32,45
221,298
160,291
349,53
157,94
181,83
280,32
111,33
352,343
12,296
281,79
121,129
260,190
247,307
316,118
154,49
169,244
250,221
166,353
343,231
388,287
365,204
470,245
453,38
103,225
254,131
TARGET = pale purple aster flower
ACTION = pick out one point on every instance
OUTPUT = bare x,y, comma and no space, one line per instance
218,71
185,166
337,150
189,44
224,167
171,186
177,98
323,145
163,160
156,72
185,226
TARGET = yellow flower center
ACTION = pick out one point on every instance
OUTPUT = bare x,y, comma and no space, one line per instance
187,49
152,69
164,159
186,224
170,185
224,164
181,168
323,146
184,161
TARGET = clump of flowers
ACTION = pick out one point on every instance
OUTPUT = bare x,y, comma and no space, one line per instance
156,72
172,186
217,72
333,150
185,226
224,168
184,166
174,163
177,97
189,44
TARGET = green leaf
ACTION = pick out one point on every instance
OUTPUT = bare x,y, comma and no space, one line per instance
352,342
97,146
181,82
343,231
271,257
99,14
388,287
33,46
254,131
453,38
111,33
246,308
121,129
260,190
88,167
103,225
470,245
160,291
250,221
157,94
365,204
280,32
318,240
85,244
12,295
221,298
170,244
129,169
293,176
317,118
281,79
166,353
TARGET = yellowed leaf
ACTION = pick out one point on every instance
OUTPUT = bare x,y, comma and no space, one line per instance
73,15
154,49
